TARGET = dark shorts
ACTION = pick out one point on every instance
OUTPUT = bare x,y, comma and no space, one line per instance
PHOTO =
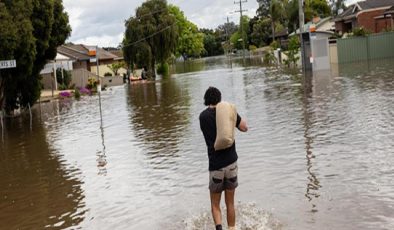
224,178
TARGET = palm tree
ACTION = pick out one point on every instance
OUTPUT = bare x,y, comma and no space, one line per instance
276,13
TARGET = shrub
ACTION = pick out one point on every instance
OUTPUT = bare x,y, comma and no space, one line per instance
66,80
359,32
163,69
92,83
252,47
77,94
269,57
274,45
294,45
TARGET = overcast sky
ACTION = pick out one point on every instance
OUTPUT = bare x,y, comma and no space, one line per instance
101,22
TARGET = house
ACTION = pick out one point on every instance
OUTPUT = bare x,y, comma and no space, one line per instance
368,14
83,59
385,22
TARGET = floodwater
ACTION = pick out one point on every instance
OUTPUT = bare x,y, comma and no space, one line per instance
318,155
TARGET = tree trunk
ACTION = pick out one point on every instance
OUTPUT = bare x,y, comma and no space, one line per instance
153,68
2,97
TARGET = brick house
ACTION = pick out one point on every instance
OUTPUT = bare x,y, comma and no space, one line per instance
369,14
385,22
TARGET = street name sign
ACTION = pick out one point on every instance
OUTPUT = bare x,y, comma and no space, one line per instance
7,64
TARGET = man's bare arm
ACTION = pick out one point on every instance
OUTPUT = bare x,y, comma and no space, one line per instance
243,127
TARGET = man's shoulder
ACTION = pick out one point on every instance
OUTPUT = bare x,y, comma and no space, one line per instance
205,113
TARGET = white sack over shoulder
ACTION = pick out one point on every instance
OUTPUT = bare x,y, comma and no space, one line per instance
226,118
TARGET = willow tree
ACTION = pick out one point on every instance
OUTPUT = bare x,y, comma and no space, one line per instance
151,35
30,32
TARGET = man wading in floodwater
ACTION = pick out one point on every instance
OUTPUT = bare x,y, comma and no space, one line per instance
223,167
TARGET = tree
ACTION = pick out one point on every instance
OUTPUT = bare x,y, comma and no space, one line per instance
242,34
276,12
114,67
30,33
225,30
212,43
320,8
190,40
151,35
292,15
260,31
264,8
337,5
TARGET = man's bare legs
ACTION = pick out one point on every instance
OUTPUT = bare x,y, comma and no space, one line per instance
229,198
215,207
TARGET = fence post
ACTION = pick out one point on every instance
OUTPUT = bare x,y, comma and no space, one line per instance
368,51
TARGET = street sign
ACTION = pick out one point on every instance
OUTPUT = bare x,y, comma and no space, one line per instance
7,64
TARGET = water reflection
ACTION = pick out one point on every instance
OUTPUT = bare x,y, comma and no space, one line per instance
218,62
101,155
160,115
37,189
313,184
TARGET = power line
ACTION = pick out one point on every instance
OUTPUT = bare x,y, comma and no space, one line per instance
142,39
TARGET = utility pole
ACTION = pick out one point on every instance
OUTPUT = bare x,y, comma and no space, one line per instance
240,24
301,21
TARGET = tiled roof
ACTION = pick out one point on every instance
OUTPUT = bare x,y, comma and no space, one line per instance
370,4
390,11
72,53
364,5
80,52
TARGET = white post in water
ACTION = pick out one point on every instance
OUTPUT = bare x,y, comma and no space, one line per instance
98,74
301,21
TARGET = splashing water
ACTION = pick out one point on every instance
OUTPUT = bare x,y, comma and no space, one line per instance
248,217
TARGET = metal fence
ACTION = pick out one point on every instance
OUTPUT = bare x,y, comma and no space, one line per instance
371,47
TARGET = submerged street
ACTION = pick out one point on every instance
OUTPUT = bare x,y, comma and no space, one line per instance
318,154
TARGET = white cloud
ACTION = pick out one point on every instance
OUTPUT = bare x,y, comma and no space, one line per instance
102,22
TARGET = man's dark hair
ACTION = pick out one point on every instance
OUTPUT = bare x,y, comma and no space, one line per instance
212,96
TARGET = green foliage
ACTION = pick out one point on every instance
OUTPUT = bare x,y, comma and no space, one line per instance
359,32
292,52
235,40
30,32
163,69
277,13
274,45
77,94
116,66
92,83
252,47
269,57
320,8
190,40
260,31
66,80
108,74
243,32
212,42
292,15
151,35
